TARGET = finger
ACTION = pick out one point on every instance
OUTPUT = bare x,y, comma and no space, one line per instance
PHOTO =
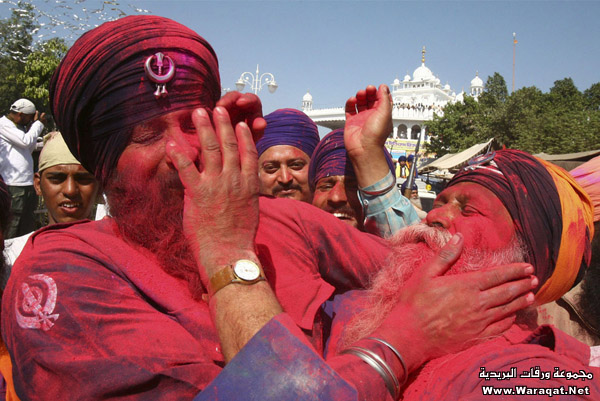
497,275
351,106
502,294
445,257
188,173
384,99
258,128
371,96
502,312
229,99
496,328
227,137
361,100
248,153
209,144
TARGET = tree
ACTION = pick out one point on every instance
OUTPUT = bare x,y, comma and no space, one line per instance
592,97
15,47
495,91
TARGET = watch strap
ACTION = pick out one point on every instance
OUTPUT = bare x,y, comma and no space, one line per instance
227,276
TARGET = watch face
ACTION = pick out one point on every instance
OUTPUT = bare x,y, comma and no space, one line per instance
246,270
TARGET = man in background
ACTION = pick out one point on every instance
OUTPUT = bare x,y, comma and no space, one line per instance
19,131
284,154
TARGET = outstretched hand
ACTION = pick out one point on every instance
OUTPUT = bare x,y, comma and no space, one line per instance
438,314
368,125
368,120
245,107
220,213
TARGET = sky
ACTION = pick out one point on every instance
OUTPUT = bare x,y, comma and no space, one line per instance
334,48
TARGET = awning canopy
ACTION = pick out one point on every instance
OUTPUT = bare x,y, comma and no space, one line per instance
447,165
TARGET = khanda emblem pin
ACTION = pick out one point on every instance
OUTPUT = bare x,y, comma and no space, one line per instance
166,72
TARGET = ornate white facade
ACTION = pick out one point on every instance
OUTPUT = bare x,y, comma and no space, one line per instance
416,100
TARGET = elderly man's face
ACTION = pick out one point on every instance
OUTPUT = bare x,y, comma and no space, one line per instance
476,213
145,156
283,173
69,192
338,195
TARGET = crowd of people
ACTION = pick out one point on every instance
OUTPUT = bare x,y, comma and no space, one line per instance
245,258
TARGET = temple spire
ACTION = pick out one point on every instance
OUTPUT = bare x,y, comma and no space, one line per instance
423,57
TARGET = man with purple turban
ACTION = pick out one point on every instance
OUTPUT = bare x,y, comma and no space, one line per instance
195,287
284,153
335,187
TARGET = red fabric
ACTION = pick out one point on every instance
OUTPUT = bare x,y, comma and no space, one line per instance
123,327
456,377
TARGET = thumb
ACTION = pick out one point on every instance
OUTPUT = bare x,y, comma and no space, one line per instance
445,257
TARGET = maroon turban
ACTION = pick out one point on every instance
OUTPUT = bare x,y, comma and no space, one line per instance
102,89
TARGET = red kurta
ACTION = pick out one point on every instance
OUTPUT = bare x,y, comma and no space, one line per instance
87,315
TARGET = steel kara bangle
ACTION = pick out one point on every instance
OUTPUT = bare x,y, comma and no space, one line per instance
379,365
379,340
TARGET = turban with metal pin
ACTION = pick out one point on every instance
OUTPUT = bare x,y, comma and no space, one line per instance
330,159
114,78
552,214
289,127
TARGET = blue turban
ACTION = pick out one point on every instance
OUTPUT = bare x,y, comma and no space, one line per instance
289,127
401,159
410,158
330,159
405,185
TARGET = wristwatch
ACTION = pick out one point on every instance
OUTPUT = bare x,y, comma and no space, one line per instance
243,271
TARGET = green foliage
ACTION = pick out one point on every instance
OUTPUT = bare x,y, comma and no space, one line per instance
26,69
564,120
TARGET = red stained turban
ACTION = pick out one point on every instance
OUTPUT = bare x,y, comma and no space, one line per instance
552,214
102,88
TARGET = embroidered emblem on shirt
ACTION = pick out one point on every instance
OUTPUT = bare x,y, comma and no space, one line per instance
35,303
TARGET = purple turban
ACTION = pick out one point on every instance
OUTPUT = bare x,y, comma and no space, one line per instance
289,127
330,159
107,84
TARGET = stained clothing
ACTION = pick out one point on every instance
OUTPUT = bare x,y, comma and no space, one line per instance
387,213
82,322
459,376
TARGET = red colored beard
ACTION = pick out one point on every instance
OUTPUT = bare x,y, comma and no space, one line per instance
150,214
412,248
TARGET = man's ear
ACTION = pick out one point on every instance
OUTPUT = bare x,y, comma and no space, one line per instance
37,178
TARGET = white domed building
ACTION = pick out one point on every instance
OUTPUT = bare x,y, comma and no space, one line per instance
415,101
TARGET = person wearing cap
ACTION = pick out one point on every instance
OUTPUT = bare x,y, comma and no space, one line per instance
335,187
19,131
69,192
196,286
284,154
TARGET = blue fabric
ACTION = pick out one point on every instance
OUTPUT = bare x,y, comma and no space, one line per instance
387,213
277,366
289,127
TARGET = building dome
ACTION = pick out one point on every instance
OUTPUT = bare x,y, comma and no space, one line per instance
407,78
447,87
422,74
307,98
396,82
476,82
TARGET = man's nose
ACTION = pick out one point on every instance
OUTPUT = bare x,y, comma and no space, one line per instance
442,216
70,187
337,194
284,175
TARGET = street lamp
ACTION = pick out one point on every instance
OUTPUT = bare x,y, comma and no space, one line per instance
256,81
